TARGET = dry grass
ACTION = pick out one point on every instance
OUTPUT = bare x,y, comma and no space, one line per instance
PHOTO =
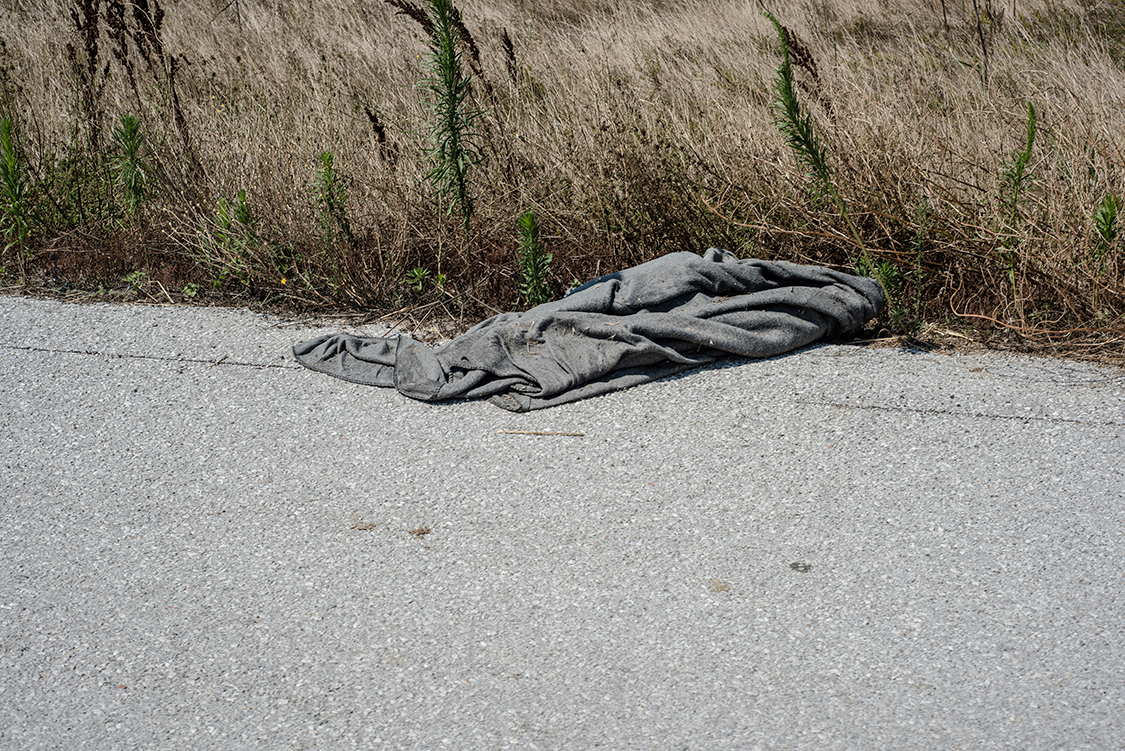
630,129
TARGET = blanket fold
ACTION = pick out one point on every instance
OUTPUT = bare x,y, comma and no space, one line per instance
630,327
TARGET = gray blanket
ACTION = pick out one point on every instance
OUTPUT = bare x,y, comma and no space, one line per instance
623,329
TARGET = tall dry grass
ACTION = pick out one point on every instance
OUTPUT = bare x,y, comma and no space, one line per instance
630,129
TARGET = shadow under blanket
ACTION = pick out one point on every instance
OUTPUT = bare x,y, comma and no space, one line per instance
630,327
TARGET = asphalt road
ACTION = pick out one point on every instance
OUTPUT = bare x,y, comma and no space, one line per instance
205,546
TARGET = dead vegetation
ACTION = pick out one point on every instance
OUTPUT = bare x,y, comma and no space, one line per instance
629,129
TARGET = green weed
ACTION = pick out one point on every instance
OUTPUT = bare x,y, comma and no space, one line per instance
1012,182
1105,227
892,280
136,280
15,215
923,213
417,278
534,263
1015,175
454,141
331,199
130,168
235,225
797,127
228,241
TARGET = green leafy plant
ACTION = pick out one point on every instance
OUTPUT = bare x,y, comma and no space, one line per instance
863,266
131,170
454,150
136,280
228,240
1105,227
417,278
797,127
891,279
1012,182
534,263
1015,176
795,124
234,222
15,215
885,272
332,198
923,212
219,280
191,289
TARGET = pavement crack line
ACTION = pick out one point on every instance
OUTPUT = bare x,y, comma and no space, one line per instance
161,358
294,366
952,413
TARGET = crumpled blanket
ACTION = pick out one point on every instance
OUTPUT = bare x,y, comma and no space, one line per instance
630,327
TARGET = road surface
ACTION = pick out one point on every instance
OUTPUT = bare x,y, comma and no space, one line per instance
205,546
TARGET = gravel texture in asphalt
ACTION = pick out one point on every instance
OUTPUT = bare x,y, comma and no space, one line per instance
205,546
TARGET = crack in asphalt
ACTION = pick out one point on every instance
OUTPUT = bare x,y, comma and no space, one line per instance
952,413
295,366
128,355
